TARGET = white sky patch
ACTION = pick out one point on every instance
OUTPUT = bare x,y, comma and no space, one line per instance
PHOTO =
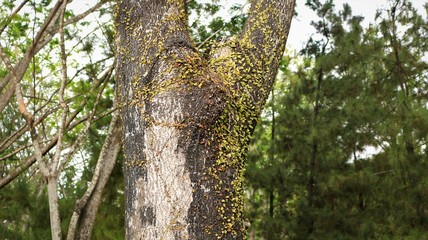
368,152
301,28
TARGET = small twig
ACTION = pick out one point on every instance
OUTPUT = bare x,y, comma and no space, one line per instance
387,171
83,133
15,151
9,19
208,38
29,118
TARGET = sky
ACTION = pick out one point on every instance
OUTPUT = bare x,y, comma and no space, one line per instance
301,29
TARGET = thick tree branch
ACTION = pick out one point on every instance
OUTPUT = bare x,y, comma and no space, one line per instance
267,27
264,37
250,61
191,120
84,213
62,103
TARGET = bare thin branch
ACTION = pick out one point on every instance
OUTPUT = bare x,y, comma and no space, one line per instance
12,138
14,152
53,178
83,133
52,15
29,118
209,38
32,159
42,38
22,66
9,19
63,104
27,163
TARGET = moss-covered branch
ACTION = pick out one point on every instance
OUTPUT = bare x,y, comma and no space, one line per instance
264,37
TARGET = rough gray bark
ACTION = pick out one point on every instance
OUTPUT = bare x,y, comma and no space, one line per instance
54,208
187,121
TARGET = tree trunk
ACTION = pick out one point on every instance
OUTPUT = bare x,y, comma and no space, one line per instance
54,208
187,121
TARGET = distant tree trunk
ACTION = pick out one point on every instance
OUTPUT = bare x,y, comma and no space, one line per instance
312,161
187,121
54,208
272,156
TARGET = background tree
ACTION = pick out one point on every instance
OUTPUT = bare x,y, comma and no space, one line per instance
363,182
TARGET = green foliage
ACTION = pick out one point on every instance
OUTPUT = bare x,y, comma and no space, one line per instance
206,24
354,106
24,215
